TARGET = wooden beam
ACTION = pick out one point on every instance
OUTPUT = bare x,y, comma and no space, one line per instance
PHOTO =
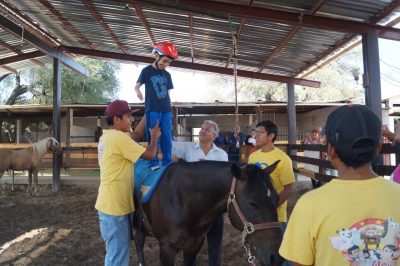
145,24
191,35
42,46
67,24
19,52
12,70
105,26
22,57
288,37
27,23
297,19
193,66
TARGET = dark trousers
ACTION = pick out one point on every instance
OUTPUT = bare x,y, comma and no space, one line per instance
214,241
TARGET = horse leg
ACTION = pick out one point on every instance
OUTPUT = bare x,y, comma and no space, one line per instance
190,254
139,239
167,254
29,181
35,179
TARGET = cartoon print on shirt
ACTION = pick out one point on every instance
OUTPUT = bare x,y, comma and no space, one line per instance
372,241
160,83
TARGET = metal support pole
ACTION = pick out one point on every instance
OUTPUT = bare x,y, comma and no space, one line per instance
291,109
56,121
372,78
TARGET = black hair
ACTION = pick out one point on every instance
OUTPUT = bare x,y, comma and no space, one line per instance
270,127
110,119
357,160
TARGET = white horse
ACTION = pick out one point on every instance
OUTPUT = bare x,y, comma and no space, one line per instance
27,159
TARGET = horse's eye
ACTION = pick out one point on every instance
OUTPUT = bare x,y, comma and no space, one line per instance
254,205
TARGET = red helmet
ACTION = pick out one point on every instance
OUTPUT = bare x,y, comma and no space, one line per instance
166,48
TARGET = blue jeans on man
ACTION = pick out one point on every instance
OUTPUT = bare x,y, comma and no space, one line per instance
165,140
115,231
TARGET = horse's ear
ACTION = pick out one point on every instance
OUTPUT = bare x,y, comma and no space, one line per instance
271,168
235,169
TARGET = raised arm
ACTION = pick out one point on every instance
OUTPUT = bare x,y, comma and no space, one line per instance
151,150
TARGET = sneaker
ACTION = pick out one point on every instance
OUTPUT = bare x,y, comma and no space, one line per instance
156,167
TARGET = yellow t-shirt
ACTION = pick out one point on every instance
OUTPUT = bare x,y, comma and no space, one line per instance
117,153
281,176
346,222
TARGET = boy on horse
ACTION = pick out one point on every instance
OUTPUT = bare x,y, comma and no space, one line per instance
117,152
157,105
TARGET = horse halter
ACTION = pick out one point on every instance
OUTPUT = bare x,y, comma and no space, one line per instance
248,227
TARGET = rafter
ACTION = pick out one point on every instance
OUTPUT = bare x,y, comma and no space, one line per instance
19,52
194,66
389,9
15,29
191,35
12,70
67,24
145,24
288,37
105,26
22,57
291,18
14,14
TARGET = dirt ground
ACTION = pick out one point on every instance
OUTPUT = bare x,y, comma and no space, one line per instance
62,229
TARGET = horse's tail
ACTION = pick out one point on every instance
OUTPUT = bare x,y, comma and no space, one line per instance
143,219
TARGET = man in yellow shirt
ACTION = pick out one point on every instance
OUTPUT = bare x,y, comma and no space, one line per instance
117,152
283,176
352,220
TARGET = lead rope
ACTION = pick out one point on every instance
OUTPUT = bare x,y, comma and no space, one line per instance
234,58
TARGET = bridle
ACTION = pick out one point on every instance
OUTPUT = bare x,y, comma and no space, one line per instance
248,227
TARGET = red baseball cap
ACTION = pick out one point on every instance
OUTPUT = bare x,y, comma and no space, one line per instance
118,107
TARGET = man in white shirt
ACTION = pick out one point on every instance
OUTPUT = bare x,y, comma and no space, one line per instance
206,150
192,152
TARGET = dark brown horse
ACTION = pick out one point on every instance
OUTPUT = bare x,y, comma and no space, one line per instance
191,195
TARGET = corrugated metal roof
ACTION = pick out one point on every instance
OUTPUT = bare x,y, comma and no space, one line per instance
212,31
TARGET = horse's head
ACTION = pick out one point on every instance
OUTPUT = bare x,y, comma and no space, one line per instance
52,144
258,201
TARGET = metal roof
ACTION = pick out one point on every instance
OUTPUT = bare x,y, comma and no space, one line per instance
201,31
221,108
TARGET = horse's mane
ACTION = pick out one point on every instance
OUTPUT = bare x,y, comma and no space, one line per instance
41,147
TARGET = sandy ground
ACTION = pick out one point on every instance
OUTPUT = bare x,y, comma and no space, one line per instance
62,229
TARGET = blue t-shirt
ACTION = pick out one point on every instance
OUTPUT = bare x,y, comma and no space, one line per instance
157,83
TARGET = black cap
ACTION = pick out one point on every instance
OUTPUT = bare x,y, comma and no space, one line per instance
348,126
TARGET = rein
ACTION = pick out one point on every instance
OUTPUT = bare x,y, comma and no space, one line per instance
248,227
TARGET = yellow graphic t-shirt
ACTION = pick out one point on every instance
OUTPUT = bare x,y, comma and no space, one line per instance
346,222
281,176
117,153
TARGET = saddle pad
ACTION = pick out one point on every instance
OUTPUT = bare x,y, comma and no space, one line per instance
145,179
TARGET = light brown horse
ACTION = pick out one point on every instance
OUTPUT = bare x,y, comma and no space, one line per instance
27,159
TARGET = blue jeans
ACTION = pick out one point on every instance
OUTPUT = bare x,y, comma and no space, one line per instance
165,140
115,231
283,227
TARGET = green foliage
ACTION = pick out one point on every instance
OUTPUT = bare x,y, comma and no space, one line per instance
99,87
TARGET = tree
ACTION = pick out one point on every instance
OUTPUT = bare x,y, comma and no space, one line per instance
35,85
99,87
